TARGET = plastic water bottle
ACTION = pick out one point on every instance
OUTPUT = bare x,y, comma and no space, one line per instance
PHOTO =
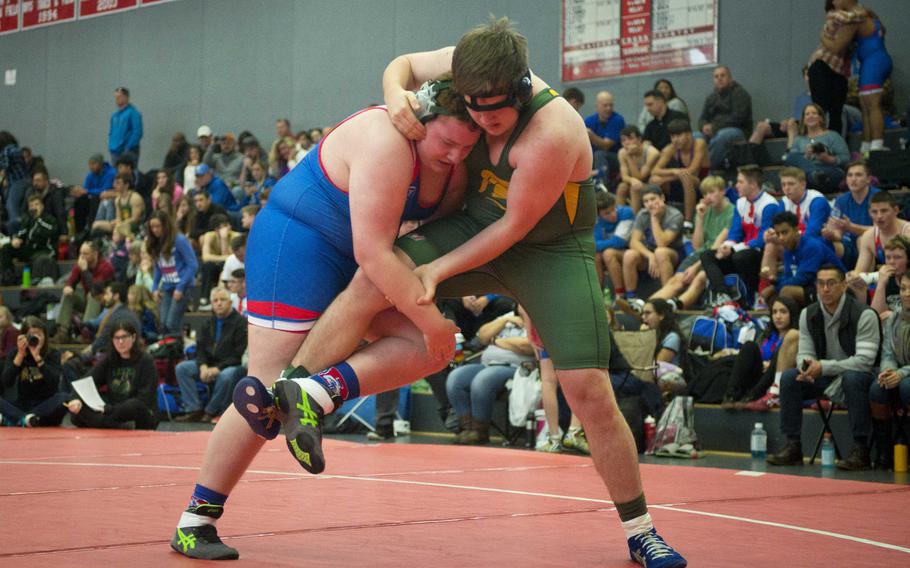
459,348
827,451
759,441
26,277
650,430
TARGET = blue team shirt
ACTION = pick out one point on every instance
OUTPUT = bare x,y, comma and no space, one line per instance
801,264
614,235
96,183
856,212
609,129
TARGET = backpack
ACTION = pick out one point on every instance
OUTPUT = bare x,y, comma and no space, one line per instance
727,328
732,282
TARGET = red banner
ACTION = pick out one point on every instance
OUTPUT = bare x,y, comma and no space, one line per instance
153,2
92,8
9,16
37,13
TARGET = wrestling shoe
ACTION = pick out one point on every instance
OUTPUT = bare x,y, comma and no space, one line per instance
202,542
256,404
303,424
649,550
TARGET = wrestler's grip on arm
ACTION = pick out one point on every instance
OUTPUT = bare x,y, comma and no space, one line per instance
407,72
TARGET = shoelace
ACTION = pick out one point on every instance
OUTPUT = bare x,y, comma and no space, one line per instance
654,546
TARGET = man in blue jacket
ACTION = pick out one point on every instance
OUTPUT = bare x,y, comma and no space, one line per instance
98,185
126,126
803,256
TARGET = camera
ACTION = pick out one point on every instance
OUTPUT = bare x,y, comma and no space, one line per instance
33,340
819,148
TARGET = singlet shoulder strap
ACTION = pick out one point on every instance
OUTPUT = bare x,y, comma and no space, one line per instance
539,100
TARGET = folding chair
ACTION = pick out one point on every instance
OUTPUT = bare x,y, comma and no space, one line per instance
825,415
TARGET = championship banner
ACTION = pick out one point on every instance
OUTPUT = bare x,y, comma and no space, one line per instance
608,38
36,13
92,8
9,16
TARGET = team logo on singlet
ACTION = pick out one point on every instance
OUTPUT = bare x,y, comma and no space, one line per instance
499,193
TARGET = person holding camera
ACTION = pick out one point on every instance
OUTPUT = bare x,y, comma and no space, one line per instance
130,378
35,371
819,152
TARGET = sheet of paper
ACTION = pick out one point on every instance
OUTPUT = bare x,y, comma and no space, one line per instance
87,391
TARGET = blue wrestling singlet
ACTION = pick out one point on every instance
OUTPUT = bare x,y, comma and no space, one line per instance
874,62
300,252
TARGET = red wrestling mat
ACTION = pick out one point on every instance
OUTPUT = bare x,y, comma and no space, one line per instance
103,498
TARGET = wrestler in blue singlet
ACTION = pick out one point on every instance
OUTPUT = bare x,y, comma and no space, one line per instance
300,252
875,63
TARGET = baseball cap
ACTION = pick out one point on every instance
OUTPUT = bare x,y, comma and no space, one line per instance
202,169
204,130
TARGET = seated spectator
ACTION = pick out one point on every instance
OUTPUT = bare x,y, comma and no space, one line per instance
185,216
194,158
741,253
472,388
224,159
892,385
114,301
849,355
670,351
8,332
768,129
264,197
52,197
204,137
886,298
119,257
755,378
247,215
682,164
674,101
316,134
302,146
235,260
280,157
140,182
35,370
16,169
656,244
145,269
237,285
259,180
126,207
883,208
175,270
660,115
219,345
214,187
603,130
575,437
810,207
636,161
282,132
726,117
611,235
216,248
574,97
176,156
713,218
819,152
90,268
126,378
140,301
165,184
470,313
803,256
34,244
205,209
98,185
850,217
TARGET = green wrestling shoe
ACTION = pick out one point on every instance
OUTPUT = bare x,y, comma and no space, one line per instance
202,542
302,424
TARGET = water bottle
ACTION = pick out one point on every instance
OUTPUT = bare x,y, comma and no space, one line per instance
650,430
836,212
827,451
26,277
459,348
759,441
530,431
900,456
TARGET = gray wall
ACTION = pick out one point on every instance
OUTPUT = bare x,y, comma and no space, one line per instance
238,64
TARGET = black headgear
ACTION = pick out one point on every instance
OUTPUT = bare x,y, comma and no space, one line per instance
519,91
